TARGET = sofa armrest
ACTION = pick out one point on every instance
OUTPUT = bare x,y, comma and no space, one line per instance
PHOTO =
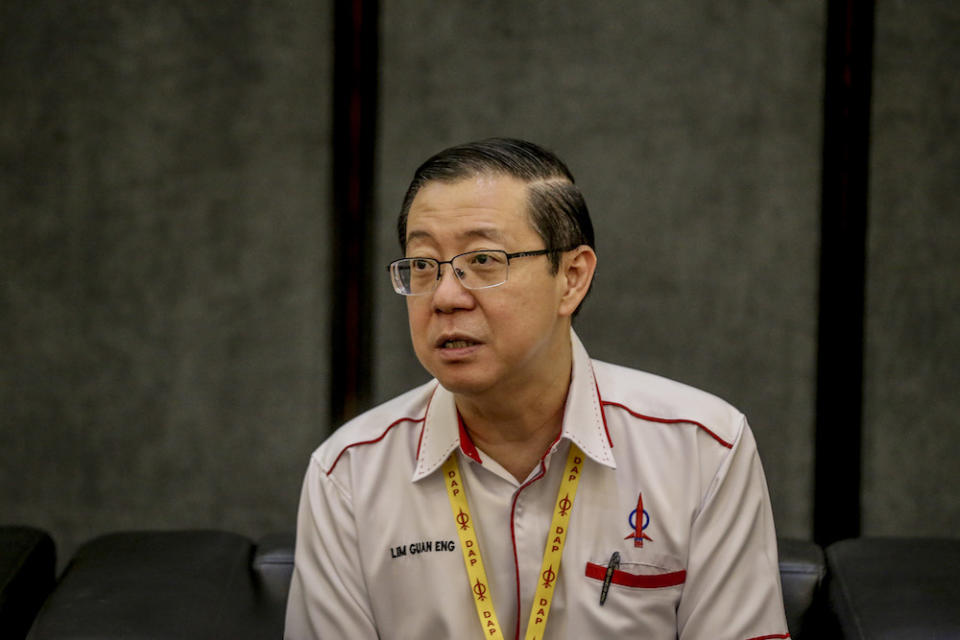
802,570
27,570
273,566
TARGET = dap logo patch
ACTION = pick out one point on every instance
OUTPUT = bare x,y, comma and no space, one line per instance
638,520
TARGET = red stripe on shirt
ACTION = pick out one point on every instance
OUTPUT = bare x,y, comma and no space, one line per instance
513,532
375,440
728,445
658,581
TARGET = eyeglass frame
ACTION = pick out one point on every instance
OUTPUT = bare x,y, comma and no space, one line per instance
509,256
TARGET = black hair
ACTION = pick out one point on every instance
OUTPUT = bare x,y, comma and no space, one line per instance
558,212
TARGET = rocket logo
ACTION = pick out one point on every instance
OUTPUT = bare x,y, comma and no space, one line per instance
639,519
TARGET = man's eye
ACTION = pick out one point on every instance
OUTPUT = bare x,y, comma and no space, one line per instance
421,265
485,259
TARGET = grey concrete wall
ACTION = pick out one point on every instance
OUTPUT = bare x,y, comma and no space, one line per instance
165,204
911,399
164,209
694,131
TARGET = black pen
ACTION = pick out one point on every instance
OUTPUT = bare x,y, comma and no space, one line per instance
611,567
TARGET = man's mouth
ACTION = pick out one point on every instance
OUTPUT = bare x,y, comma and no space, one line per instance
457,344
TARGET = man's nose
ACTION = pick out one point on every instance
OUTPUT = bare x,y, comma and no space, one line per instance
450,293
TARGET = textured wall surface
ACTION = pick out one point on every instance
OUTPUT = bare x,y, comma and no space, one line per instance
165,198
694,131
165,209
911,398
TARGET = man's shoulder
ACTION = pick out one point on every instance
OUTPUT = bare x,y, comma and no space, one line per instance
375,425
647,396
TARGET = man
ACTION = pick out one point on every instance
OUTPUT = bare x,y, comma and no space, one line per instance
527,491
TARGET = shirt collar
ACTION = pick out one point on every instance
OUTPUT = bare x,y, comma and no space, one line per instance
583,421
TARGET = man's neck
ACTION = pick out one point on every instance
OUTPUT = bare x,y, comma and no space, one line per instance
518,432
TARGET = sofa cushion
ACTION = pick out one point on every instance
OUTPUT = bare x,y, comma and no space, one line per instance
159,585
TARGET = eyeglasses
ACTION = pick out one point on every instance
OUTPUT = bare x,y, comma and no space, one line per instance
474,269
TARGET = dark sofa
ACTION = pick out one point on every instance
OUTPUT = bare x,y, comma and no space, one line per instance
214,584
27,569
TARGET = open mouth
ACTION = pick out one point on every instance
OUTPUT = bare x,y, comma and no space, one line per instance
457,344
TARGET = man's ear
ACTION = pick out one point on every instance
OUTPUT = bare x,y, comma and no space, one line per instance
576,271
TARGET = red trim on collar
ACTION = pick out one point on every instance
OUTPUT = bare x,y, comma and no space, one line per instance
669,421
423,426
781,636
466,443
375,440
602,414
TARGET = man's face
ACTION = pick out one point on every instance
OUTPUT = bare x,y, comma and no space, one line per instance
480,340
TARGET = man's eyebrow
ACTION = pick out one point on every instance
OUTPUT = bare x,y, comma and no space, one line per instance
416,234
488,233
484,233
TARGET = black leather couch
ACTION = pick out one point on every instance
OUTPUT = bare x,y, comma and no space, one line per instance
27,569
214,584
893,588
166,585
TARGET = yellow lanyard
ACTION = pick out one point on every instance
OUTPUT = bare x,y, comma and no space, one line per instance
549,568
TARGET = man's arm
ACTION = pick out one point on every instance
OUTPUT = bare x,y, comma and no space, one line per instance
328,598
733,577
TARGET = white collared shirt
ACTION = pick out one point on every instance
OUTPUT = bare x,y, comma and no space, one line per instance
378,555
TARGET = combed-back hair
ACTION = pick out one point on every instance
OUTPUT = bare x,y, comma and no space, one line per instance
557,210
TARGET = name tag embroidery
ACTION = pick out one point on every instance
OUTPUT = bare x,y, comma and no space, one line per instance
424,546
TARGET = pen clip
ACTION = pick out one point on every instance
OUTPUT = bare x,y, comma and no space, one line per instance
611,567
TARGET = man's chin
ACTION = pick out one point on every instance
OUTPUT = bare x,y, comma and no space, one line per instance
461,384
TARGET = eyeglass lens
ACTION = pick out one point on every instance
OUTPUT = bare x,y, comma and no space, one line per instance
476,270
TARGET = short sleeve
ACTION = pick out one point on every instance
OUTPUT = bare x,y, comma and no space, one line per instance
733,578
328,597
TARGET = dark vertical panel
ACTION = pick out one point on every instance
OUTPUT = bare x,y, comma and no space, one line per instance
354,120
842,259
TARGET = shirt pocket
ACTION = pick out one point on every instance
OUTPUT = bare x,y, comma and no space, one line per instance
651,571
641,601
636,576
